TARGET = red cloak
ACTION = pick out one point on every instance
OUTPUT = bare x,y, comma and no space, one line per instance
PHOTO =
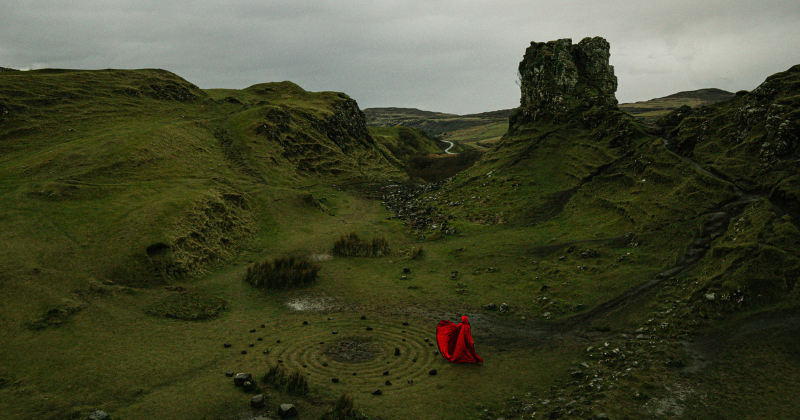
455,342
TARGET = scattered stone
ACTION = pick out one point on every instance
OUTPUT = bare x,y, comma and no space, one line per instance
277,341
377,392
244,351
336,332
385,373
335,380
259,339
252,344
229,374
405,323
241,378
601,416
280,360
403,278
544,287
585,365
454,274
432,372
411,381
388,383
266,351
491,307
546,315
406,270
325,364
305,322
257,401
414,360
577,374
263,326
253,330
427,340
504,308
99,415
248,386
287,410
711,297
397,351
354,374
369,328
226,345
363,317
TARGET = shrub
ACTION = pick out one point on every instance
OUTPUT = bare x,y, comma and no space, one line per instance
343,410
293,383
282,273
351,245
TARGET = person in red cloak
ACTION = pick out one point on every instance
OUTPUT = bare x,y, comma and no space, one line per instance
455,342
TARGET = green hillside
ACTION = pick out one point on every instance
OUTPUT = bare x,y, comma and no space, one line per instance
610,268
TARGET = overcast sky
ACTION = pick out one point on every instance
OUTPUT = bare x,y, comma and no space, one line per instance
439,55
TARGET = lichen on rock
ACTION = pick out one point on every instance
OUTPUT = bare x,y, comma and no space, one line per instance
558,78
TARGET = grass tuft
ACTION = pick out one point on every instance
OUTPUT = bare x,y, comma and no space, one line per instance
343,410
293,383
282,273
351,245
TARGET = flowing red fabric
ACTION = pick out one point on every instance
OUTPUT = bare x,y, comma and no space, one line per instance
455,342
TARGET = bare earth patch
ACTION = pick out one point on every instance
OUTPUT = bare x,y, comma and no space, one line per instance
313,303
353,350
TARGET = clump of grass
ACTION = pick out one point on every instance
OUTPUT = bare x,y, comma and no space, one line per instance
343,410
293,383
351,245
412,253
188,306
282,273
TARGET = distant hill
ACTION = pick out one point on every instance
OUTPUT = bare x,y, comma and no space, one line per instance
656,108
433,123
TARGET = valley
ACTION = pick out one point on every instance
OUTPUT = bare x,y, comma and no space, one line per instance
615,263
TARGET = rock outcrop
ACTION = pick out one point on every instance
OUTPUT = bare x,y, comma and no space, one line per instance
558,78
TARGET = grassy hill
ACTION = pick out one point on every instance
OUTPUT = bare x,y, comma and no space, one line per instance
653,109
606,265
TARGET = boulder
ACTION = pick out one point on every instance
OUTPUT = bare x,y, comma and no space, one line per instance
241,378
257,401
286,411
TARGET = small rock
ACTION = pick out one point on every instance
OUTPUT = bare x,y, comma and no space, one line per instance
257,401
411,381
405,323
427,340
253,330
403,277
363,317
280,360
252,344
432,372
354,374
241,378
244,351
397,351
377,392
544,287
388,383
336,332
99,415
266,351
263,326
277,341
229,374
305,322
335,380
287,410
491,307
226,345
414,360
406,270
369,328
385,373
259,339
325,364
601,416
248,386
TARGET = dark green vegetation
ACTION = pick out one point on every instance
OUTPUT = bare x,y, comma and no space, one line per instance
351,245
282,273
607,266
